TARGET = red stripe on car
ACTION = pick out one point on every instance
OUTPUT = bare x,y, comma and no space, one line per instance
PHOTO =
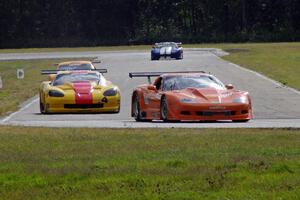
83,92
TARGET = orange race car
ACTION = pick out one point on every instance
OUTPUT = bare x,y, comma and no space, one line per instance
190,96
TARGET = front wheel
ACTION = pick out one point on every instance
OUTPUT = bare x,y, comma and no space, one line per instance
136,112
42,107
164,109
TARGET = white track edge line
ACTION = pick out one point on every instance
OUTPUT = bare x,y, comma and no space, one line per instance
20,110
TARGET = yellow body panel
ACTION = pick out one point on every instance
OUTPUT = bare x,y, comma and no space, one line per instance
100,103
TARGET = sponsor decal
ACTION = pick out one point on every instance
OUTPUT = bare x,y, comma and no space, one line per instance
227,94
83,93
105,100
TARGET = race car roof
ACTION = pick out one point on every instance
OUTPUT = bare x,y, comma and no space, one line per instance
75,62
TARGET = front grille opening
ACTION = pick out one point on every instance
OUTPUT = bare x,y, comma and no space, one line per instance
213,113
83,106
185,112
244,111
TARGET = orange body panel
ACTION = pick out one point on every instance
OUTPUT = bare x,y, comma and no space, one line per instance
192,104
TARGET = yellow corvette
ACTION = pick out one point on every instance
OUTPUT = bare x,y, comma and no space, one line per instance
79,91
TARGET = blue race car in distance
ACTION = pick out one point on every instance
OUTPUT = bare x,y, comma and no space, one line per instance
167,49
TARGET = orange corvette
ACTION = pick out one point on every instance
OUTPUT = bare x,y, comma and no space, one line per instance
188,96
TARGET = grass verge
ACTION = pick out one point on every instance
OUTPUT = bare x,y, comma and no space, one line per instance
14,91
41,163
279,61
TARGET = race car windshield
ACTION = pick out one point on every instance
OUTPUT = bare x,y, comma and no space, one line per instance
71,67
70,78
183,82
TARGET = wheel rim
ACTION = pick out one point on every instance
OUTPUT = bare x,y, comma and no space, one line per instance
164,109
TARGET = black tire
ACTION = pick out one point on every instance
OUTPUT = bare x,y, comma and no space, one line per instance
164,109
136,110
43,109
241,121
180,57
42,106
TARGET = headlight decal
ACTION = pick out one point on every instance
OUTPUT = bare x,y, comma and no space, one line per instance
242,99
55,93
111,92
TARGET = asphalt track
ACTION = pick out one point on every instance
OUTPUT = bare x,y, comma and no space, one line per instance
275,106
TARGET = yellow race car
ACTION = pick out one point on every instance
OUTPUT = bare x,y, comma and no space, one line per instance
79,91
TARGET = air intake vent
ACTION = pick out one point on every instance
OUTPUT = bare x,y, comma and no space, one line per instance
83,106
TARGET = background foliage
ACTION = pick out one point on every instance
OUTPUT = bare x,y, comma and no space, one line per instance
48,23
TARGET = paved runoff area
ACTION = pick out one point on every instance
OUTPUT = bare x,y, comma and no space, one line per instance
275,106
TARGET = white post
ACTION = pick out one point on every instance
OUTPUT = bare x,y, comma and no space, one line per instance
20,73
1,84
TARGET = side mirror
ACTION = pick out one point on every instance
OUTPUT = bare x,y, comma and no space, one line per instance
229,86
152,87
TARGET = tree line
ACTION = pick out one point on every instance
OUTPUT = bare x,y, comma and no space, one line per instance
53,23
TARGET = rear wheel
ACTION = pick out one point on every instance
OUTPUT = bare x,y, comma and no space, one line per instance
180,57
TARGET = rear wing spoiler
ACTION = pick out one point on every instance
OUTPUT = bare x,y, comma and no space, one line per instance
154,74
96,60
54,71
178,43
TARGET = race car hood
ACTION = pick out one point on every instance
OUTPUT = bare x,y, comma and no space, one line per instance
207,95
83,86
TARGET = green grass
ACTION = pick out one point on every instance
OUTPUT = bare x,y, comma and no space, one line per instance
279,61
41,163
15,91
